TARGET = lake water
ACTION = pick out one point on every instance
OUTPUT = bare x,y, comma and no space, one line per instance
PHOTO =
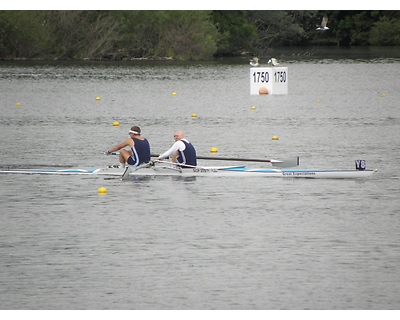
224,243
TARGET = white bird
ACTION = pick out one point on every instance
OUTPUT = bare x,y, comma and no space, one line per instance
273,62
324,22
254,62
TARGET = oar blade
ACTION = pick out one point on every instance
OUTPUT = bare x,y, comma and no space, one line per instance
125,175
286,163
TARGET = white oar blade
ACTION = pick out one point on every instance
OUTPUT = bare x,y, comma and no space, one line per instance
287,163
125,175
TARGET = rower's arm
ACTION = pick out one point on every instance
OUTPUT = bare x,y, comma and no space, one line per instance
175,147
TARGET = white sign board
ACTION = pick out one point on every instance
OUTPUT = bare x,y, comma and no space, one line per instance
274,80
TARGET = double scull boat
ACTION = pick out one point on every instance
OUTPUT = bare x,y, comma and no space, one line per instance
163,168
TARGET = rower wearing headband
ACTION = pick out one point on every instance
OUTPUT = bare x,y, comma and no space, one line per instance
182,151
139,151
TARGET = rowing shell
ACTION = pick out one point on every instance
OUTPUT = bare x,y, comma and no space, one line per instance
236,171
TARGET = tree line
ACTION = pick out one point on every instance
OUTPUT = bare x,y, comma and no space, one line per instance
184,35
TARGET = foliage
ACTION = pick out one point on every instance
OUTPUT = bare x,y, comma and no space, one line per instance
178,34
184,35
275,28
354,27
386,32
24,34
83,34
236,33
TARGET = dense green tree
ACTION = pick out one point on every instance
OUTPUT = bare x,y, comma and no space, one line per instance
185,35
386,32
353,27
189,35
236,33
25,34
178,34
275,28
83,34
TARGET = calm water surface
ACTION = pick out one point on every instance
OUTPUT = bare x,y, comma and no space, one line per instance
223,243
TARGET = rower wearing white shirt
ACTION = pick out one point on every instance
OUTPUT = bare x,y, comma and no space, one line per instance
182,151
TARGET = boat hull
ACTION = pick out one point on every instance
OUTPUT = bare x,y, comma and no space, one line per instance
237,171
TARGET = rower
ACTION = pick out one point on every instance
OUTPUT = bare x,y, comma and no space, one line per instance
139,151
182,151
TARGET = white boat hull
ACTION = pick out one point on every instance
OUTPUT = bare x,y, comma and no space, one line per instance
237,171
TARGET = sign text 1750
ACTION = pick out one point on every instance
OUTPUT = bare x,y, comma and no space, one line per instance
280,76
260,76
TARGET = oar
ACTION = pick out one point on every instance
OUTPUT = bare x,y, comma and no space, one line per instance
31,166
112,153
179,165
126,173
287,163
292,162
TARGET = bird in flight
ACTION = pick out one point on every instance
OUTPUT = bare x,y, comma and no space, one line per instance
324,22
273,62
254,62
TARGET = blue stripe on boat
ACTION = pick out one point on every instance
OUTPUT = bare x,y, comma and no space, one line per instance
236,168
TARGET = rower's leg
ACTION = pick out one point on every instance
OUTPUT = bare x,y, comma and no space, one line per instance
121,159
175,156
123,156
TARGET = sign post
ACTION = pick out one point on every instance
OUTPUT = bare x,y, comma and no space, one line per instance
269,80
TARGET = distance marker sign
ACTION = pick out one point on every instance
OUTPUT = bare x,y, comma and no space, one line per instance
269,80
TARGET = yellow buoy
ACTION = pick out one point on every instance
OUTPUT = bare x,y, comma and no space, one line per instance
275,138
383,95
253,108
18,104
318,101
97,98
213,150
173,94
115,124
194,115
102,190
